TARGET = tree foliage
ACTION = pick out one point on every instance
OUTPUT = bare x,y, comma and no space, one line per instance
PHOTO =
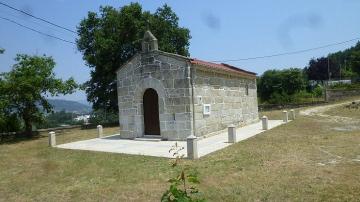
275,83
111,37
344,64
59,118
103,117
354,62
24,89
318,69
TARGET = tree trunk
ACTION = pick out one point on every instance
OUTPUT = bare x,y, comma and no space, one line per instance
28,127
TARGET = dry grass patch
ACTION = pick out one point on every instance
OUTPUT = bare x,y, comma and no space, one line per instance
304,160
344,112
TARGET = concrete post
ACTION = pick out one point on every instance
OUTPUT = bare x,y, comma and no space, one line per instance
285,116
192,151
292,114
231,134
100,131
52,139
265,123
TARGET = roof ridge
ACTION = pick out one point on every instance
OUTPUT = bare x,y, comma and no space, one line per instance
221,66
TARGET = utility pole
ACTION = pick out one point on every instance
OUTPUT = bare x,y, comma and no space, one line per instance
328,69
345,63
340,72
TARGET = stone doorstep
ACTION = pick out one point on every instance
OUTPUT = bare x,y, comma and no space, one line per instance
149,138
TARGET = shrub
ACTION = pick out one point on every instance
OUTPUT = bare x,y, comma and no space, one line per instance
279,98
103,117
277,86
318,91
10,123
345,86
302,96
182,186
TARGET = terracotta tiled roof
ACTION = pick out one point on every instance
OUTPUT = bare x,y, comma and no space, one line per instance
222,67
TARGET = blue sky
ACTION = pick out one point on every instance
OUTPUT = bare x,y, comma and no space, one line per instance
220,30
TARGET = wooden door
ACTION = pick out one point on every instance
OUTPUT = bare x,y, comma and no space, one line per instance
151,112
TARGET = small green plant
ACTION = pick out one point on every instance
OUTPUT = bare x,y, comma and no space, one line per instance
183,185
318,91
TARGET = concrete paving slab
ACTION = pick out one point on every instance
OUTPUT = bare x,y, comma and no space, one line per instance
206,146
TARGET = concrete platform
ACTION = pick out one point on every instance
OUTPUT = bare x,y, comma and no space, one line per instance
206,146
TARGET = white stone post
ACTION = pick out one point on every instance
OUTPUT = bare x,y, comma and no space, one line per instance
52,139
292,114
100,131
265,123
285,116
231,134
192,151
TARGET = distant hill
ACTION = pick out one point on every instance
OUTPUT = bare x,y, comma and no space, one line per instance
69,106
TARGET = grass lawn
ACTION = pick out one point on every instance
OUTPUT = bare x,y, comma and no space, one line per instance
344,112
305,160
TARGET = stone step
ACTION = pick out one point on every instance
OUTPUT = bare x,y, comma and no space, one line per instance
149,139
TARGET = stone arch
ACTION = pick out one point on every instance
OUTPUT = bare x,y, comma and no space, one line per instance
141,87
149,83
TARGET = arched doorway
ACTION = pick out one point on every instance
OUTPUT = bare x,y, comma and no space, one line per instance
151,112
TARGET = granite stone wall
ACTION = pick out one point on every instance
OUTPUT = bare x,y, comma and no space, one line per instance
338,94
228,101
169,76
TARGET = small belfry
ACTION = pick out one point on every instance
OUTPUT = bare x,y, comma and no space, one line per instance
149,42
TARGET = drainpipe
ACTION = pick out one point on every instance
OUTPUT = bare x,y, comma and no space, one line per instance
190,76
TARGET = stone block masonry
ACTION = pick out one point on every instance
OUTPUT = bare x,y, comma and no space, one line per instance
168,76
173,97
228,101
338,94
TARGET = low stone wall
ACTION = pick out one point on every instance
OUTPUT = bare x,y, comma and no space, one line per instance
338,94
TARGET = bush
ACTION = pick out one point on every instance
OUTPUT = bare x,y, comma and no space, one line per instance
299,97
318,91
277,86
345,86
302,97
279,98
10,124
57,119
103,117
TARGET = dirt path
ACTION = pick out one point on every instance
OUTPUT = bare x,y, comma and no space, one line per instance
347,124
320,111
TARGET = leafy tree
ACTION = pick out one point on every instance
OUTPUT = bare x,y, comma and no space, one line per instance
103,117
318,69
56,119
9,121
109,38
25,88
276,84
355,61
344,63
2,51
268,83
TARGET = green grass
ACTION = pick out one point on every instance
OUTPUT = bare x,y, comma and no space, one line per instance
304,160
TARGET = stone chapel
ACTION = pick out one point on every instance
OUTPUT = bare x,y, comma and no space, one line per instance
169,96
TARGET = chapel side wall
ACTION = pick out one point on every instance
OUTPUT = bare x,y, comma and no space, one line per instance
168,76
229,104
